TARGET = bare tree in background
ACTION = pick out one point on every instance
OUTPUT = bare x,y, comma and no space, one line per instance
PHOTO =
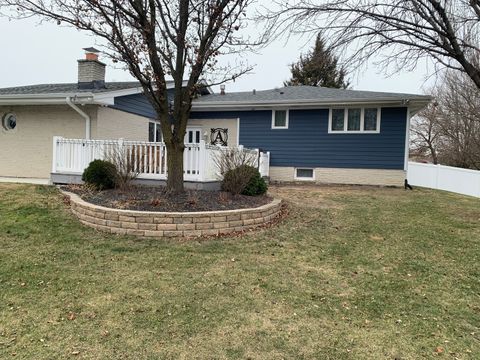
157,39
449,129
425,134
447,31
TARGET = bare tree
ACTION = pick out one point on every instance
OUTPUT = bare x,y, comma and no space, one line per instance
425,131
447,31
449,129
158,39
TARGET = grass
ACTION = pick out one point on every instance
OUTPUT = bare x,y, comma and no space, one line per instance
352,273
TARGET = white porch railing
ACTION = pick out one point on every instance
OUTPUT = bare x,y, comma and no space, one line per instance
72,156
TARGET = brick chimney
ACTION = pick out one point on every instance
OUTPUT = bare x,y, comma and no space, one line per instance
91,71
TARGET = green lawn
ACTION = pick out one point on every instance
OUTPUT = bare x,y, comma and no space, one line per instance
351,273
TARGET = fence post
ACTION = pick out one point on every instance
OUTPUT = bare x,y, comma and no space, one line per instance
266,164
437,175
54,154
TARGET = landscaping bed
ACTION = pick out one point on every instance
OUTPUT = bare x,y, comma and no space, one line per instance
156,198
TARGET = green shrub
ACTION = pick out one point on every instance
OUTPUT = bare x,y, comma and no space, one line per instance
256,186
237,179
101,174
245,180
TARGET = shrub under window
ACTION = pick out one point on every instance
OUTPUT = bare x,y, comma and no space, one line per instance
245,180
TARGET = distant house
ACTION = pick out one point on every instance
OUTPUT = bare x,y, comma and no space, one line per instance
312,134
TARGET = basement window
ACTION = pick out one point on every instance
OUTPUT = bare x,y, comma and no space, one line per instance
304,174
9,121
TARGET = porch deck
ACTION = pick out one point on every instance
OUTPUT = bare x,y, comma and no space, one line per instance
148,160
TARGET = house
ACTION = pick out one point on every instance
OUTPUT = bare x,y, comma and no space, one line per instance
311,133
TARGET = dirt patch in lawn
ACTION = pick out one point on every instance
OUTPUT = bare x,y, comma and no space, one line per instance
150,198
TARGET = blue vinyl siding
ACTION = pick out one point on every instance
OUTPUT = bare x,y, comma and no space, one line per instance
307,143
136,104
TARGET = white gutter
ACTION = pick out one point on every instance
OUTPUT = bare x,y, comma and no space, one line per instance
69,102
200,105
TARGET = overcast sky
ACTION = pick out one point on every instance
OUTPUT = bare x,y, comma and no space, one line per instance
47,53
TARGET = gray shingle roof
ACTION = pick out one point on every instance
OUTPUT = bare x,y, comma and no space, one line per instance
305,93
66,88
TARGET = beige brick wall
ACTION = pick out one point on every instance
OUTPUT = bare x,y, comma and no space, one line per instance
116,124
27,151
278,173
207,124
360,176
344,176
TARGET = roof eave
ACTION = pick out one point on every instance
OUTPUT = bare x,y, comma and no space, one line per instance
237,105
43,99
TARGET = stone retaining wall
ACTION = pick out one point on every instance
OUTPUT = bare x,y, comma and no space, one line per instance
172,224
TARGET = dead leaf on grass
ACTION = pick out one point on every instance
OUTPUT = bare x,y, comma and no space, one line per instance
377,238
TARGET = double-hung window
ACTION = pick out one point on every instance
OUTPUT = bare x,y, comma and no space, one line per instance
154,132
280,119
354,120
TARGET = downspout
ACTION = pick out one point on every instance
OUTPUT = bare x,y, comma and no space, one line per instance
407,147
69,102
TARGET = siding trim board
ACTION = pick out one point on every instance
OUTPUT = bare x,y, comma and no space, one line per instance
407,140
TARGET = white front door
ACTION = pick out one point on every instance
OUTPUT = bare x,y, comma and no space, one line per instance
193,135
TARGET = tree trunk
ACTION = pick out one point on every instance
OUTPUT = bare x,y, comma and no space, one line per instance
175,167
433,152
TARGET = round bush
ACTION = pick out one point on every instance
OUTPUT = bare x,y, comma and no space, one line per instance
236,180
256,186
245,180
101,174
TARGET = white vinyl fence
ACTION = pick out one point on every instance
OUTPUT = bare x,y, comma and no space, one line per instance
149,159
458,180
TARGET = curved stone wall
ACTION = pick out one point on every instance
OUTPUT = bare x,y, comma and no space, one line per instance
172,224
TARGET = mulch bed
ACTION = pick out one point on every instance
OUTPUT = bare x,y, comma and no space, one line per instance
155,198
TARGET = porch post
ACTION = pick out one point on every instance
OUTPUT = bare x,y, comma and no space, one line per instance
202,161
54,153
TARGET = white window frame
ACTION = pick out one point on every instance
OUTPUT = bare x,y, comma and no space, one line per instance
362,120
304,178
156,125
287,116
